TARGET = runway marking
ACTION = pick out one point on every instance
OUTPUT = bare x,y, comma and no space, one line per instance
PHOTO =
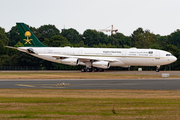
48,86
24,85
40,85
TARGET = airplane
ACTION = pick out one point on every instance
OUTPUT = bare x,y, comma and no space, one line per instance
95,59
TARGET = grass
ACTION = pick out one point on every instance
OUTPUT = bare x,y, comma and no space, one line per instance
78,75
89,104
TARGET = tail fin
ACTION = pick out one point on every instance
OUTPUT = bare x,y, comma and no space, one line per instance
28,38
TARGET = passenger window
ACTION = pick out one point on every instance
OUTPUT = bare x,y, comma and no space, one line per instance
150,52
168,54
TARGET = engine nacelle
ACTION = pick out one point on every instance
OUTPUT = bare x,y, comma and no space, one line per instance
70,61
101,64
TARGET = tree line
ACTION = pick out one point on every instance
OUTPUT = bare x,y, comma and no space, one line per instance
53,37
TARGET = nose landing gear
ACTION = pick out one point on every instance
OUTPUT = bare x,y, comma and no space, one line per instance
157,68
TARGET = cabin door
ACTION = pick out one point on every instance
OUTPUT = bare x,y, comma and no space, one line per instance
157,54
124,53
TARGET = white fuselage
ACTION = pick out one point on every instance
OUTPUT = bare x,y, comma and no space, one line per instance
114,56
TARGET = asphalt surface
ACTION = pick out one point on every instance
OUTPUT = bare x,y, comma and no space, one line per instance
106,71
149,84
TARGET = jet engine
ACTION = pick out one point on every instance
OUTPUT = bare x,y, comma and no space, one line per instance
101,64
70,61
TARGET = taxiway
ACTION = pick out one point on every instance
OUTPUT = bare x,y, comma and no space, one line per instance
148,84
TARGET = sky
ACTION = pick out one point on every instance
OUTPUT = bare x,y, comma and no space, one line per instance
159,16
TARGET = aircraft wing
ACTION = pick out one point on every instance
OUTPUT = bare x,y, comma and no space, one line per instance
85,58
82,58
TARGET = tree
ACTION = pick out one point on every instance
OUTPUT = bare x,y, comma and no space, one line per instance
120,40
2,48
176,52
162,41
113,41
134,36
72,35
172,49
5,60
91,37
143,39
35,32
57,41
3,37
47,31
19,44
81,43
14,36
127,42
103,38
6,55
25,59
46,42
174,38
155,46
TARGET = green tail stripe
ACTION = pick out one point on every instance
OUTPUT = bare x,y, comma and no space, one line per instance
28,38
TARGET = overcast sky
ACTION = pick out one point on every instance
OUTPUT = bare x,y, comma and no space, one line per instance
159,16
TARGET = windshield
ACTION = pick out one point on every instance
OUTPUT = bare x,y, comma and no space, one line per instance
169,55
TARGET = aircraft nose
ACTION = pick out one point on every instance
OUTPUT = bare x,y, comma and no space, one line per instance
173,59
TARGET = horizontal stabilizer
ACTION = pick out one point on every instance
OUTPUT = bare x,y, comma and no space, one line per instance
23,50
11,47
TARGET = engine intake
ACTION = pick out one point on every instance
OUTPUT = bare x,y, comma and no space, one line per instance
70,61
101,64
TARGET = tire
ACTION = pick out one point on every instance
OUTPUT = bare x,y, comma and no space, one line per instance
101,70
89,70
95,69
83,70
157,70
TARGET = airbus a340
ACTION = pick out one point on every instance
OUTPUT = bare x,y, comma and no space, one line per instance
95,59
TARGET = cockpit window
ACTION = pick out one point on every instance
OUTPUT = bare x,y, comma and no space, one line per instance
169,55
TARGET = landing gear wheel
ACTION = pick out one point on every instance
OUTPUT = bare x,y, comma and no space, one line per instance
96,69
83,70
157,70
101,70
89,69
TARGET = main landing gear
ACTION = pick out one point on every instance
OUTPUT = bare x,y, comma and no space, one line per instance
92,69
86,70
157,68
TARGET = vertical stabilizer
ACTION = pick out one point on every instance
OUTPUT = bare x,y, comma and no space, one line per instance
28,38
